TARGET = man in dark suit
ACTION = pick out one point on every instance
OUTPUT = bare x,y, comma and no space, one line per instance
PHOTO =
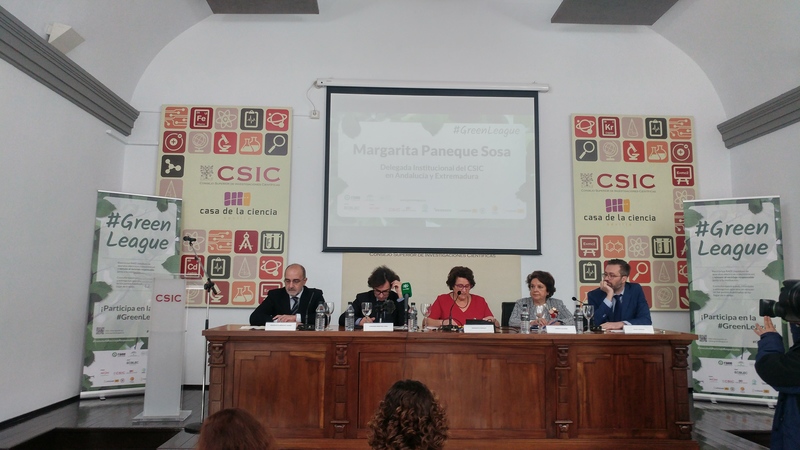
293,303
387,306
618,302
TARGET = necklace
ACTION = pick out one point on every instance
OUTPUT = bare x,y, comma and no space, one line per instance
466,305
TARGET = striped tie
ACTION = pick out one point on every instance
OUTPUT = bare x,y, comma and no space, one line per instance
294,304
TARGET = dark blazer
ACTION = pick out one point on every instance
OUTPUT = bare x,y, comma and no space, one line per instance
634,306
277,303
398,316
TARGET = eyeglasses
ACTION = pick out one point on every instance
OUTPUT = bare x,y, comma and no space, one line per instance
612,275
464,287
380,292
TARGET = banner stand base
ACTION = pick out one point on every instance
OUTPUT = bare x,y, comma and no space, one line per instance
183,415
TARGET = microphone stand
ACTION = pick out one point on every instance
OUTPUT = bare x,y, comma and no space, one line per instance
208,287
451,328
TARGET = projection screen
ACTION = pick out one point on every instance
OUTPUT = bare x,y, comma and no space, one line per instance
431,171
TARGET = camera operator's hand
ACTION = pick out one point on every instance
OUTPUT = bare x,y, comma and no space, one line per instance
767,328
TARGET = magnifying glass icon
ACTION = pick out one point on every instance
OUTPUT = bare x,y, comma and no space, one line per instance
641,269
278,141
588,147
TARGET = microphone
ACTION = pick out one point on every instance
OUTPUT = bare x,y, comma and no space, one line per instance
451,327
189,239
405,289
310,302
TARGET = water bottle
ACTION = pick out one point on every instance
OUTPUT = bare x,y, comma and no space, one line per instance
319,321
350,318
579,322
525,320
412,317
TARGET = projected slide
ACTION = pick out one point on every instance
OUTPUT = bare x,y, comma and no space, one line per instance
440,171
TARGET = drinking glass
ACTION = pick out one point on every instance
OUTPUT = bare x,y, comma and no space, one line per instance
366,309
329,308
541,314
588,312
426,311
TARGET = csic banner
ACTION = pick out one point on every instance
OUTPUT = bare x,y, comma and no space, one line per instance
135,242
631,175
735,259
231,166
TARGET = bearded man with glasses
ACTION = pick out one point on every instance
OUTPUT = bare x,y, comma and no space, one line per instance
384,294
618,302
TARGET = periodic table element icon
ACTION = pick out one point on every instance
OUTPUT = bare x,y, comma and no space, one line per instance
585,150
655,128
200,118
663,247
680,128
190,267
681,152
276,144
585,127
589,271
589,246
225,142
226,118
640,271
174,142
633,151
272,242
608,127
252,119
613,246
277,120
682,175
219,267
176,117
245,241
270,267
172,166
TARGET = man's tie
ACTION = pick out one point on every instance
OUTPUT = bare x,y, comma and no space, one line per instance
293,303
616,314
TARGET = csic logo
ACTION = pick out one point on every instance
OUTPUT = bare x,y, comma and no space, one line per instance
247,173
168,298
626,181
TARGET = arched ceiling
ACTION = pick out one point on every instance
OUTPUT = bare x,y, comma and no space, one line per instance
749,50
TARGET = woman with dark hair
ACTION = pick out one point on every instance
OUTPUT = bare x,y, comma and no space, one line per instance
459,302
551,310
234,429
409,417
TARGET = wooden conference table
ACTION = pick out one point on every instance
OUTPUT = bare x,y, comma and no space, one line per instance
606,388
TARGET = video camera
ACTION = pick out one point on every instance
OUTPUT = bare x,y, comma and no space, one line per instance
788,305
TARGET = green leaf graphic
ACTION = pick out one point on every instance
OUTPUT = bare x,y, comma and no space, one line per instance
697,300
172,264
162,204
755,206
774,270
100,289
104,207
691,218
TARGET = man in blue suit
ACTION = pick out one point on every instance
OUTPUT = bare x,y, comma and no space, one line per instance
617,302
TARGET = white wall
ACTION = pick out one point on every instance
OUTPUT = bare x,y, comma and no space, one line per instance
54,158
272,60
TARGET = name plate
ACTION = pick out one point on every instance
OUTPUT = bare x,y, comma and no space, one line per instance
280,326
638,329
388,326
488,328
560,329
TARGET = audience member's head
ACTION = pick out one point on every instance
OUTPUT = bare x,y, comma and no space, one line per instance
409,417
234,429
